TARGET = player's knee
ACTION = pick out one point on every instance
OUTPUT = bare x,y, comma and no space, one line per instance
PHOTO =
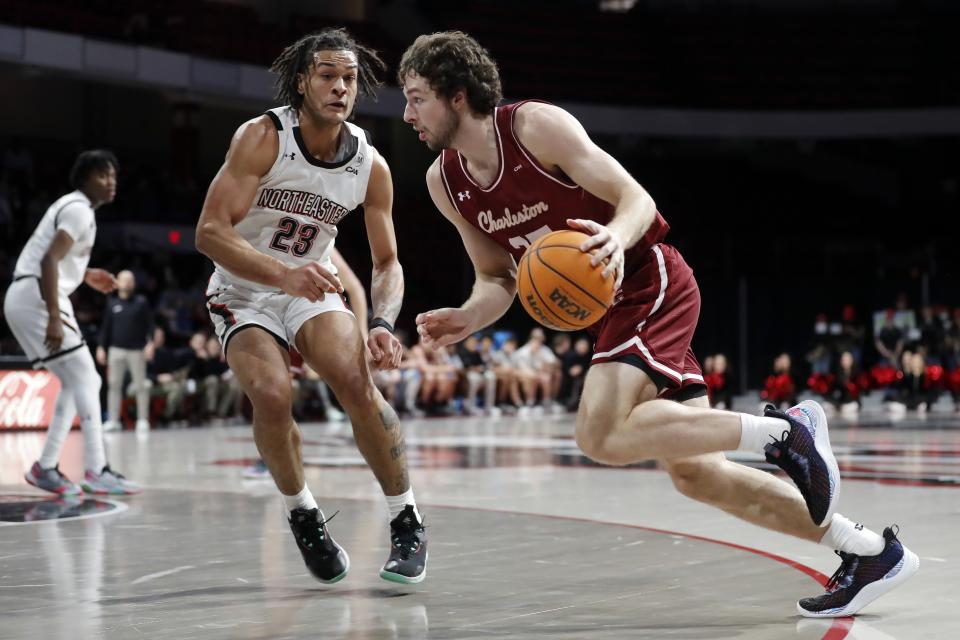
354,390
692,478
594,437
270,394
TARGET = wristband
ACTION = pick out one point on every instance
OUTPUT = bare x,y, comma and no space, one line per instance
380,322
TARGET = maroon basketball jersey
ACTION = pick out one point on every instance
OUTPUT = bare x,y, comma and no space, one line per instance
525,201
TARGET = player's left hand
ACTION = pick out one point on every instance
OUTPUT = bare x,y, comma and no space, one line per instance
101,280
604,245
385,349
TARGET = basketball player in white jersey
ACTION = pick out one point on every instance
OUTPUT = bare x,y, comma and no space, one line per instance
269,223
37,306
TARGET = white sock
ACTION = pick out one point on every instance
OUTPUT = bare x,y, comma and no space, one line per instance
78,375
850,537
756,431
64,411
395,504
303,500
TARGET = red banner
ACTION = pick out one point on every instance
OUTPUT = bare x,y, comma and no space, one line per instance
27,399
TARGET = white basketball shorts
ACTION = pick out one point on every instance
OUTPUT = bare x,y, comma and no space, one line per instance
26,313
234,308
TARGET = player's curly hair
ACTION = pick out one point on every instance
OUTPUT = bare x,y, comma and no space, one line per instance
451,61
298,57
90,161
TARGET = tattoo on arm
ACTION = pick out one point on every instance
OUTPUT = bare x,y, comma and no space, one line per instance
399,450
386,291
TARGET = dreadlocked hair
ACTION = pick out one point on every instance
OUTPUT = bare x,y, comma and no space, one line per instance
298,58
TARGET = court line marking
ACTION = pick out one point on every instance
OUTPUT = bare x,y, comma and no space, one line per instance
839,629
118,508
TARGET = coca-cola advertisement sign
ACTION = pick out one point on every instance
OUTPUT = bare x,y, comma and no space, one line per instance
27,399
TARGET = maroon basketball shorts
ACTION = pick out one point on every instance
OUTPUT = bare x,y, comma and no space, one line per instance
651,324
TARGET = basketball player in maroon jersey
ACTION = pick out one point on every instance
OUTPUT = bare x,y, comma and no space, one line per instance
507,175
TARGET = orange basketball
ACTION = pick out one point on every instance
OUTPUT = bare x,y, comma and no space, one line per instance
557,285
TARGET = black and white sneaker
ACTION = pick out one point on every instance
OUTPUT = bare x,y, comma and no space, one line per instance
804,453
862,579
407,563
326,560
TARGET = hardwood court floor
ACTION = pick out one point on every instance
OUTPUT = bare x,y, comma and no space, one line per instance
527,540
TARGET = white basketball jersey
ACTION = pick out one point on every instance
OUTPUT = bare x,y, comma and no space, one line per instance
73,214
301,199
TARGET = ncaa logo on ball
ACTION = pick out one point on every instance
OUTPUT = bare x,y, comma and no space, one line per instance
569,306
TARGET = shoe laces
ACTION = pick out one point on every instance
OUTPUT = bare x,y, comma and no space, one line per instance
789,456
405,536
846,568
314,526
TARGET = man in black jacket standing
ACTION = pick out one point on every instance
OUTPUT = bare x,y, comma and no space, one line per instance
124,343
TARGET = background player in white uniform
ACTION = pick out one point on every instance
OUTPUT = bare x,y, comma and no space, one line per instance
37,306
268,223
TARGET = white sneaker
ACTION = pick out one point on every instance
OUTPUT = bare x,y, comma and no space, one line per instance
111,425
109,482
143,425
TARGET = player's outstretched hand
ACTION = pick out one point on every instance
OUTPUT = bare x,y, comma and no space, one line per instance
385,349
100,279
603,245
311,281
441,327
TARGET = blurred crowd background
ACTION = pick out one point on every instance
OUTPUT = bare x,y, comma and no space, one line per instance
799,151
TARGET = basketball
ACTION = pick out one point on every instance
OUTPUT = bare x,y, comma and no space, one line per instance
557,285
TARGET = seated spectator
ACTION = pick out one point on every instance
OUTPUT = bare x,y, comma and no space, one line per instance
912,390
411,377
780,389
560,345
440,373
168,370
477,375
575,363
952,341
221,391
718,381
500,361
535,364
932,340
847,384
890,340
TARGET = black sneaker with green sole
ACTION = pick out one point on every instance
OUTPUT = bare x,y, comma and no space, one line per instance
407,563
326,560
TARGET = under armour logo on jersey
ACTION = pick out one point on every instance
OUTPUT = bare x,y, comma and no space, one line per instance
291,155
463,195
858,527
